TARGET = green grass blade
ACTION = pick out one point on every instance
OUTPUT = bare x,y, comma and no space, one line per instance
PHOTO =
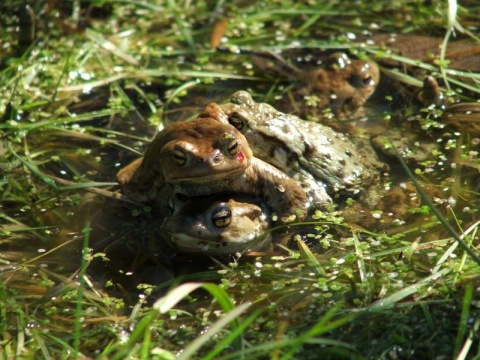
390,301
215,328
80,289
232,336
174,296
462,328
319,328
437,213
87,185
464,353
310,256
34,169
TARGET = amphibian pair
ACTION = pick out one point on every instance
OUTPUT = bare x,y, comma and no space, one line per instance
282,164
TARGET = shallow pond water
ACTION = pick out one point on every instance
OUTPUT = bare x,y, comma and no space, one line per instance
126,232
59,156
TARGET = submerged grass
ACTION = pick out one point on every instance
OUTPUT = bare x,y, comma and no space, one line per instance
77,103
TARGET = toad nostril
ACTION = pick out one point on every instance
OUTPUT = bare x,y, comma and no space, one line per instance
358,81
367,81
217,158
180,197
348,104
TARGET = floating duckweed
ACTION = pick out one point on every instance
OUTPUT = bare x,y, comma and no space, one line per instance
344,263
387,265
335,287
350,258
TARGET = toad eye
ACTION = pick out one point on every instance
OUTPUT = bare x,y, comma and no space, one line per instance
179,156
233,147
222,217
338,61
237,121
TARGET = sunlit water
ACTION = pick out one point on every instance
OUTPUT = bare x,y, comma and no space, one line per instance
126,234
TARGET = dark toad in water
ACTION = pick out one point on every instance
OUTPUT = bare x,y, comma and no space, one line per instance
216,225
343,86
339,83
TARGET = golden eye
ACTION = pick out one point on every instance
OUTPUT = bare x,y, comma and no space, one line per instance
179,156
222,217
233,147
236,121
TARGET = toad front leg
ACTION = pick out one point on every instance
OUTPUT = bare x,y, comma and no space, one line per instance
284,195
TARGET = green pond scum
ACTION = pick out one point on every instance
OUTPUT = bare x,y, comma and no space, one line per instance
86,84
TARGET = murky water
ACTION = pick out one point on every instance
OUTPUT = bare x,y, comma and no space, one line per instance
126,232
357,256
51,224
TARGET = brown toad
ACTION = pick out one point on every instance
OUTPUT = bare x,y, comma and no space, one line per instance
343,85
336,86
204,157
